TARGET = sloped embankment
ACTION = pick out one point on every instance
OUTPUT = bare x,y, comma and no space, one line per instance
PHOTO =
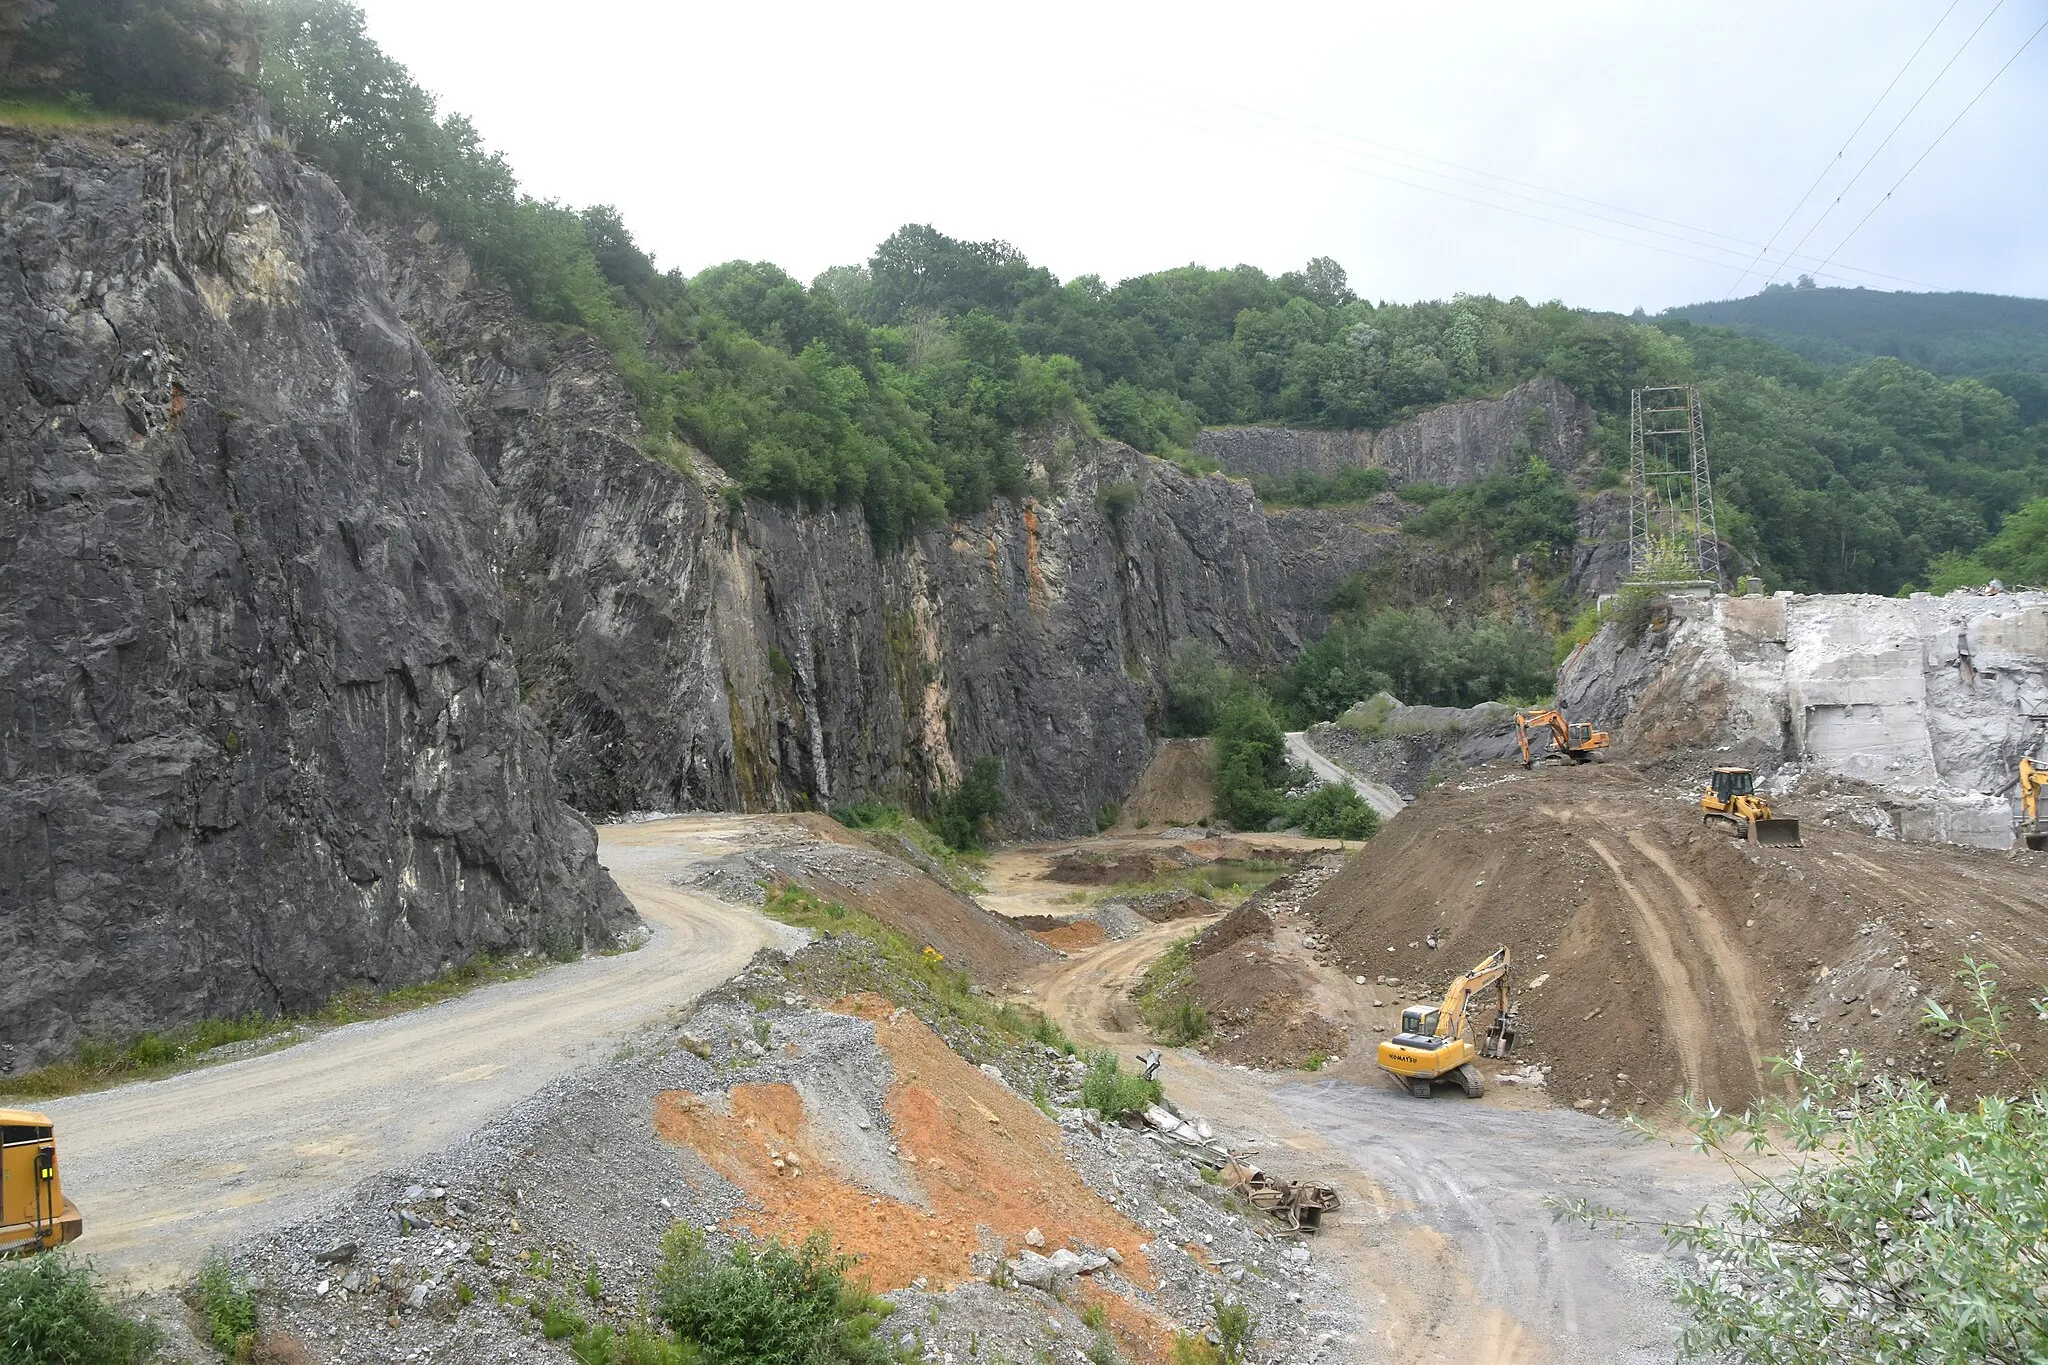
1655,956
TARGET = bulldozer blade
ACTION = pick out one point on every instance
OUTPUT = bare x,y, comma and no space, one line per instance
1780,832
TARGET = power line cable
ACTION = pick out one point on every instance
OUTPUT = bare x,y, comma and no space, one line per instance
1836,203
1867,114
1298,128
1485,203
1937,141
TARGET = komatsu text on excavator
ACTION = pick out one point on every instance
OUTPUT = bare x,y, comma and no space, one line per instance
1440,1042
34,1214
1576,742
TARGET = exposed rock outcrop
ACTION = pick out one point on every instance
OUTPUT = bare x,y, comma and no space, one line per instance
1926,703
1450,445
261,735
685,653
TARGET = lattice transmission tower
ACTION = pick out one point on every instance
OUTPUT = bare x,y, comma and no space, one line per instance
1671,537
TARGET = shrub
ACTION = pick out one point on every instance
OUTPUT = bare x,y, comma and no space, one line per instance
771,1305
1106,815
1197,686
1113,1092
1251,765
228,1308
960,812
52,1313
1117,500
869,815
1234,1325
1335,811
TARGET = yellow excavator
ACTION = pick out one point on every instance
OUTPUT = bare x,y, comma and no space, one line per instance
2031,779
1440,1042
1731,798
1577,742
34,1214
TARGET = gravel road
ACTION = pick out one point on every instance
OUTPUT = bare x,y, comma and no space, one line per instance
1378,795
166,1169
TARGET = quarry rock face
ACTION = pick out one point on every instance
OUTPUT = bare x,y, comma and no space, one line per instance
1929,701
1450,445
688,649
260,732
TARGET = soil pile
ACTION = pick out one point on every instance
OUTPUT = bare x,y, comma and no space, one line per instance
1176,788
1654,956
951,1124
1109,867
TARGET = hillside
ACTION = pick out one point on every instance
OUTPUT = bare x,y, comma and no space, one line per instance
1949,333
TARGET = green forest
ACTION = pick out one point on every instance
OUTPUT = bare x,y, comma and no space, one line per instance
900,384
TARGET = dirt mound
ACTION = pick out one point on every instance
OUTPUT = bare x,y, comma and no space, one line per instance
1176,788
1109,867
951,1124
1247,921
1655,956
1162,907
1072,937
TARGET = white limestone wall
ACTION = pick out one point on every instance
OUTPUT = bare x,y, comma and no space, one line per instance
1931,700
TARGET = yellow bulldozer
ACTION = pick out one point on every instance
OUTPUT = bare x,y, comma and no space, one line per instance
1440,1042
34,1214
1731,799
1576,742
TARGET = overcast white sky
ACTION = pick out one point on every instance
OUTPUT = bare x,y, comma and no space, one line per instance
1121,138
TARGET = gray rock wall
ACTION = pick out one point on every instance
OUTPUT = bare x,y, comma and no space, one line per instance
1451,445
683,656
260,733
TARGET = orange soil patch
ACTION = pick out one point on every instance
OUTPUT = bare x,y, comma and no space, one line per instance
954,1126
1146,1337
1073,937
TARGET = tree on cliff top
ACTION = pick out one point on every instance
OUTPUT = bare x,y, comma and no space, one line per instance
149,57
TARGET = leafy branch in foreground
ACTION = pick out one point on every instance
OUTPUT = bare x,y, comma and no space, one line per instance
1874,1223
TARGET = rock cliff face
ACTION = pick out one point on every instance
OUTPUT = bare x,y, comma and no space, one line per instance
1927,704
260,731
684,653
1451,445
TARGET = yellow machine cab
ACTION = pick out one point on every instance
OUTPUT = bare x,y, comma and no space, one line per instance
34,1214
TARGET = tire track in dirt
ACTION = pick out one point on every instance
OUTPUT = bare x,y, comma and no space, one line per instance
1739,993
1683,1009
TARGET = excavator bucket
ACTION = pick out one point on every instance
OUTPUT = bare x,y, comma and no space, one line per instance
1779,832
2036,841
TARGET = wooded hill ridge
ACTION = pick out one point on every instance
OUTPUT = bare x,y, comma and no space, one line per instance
899,385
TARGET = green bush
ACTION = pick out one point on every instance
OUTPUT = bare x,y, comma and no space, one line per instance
960,812
1197,686
152,57
1335,811
771,1305
1117,500
1251,764
1419,658
228,1308
1306,489
1106,815
869,815
1113,1092
52,1313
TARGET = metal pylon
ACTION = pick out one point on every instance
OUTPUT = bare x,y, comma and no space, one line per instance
1671,533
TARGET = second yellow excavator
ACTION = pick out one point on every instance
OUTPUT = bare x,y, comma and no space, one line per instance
1577,742
2032,778
1731,798
1440,1042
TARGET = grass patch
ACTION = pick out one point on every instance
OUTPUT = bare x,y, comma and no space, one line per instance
1111,1091
1166,1002
53,112
1227,882
228,1308
912,973
52,1312
100,1063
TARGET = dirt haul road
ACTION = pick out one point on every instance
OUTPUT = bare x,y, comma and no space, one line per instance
1446,1237
167,1169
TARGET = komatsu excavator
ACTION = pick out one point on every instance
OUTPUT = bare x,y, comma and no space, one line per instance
1731,798
1575,742
2031,779
1440,1042
34,1214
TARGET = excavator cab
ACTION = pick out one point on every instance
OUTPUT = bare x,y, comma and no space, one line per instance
1418,1027
34,1214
